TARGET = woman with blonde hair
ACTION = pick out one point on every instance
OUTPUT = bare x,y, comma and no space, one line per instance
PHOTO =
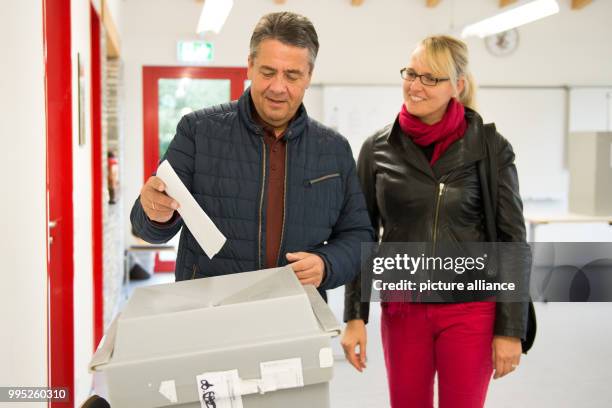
420,176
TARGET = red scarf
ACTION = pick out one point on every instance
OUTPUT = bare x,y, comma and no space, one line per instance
450,129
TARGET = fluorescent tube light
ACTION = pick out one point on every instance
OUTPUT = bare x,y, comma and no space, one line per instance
515,17
214,14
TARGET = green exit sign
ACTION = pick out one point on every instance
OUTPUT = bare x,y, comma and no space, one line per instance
195,52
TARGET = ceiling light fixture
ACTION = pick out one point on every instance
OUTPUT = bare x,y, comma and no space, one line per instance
515,17
214,14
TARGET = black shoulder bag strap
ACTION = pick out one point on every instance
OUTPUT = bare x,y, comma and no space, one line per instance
487,172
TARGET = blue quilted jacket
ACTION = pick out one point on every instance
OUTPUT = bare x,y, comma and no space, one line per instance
220,155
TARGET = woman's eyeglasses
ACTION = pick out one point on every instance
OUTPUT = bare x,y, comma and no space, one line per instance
426,79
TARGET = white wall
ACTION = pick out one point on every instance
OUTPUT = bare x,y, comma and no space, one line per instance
365,45
534,121
23,292
83,272
23,299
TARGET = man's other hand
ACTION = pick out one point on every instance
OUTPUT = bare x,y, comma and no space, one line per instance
309,268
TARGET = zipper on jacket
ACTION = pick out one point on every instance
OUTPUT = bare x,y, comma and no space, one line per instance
323,178
438,200
194,268
280,245
261,199
441,189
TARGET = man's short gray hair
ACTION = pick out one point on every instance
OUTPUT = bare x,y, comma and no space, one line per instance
288,28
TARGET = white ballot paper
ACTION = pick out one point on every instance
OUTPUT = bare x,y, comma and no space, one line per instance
200,225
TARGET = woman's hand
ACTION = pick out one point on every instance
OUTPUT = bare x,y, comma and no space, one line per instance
506,355
355,334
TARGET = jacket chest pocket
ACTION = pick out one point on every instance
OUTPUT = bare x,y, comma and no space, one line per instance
323,195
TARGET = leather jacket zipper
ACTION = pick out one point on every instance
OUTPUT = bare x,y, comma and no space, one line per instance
438,200
261,200
441,189
280,245
194,268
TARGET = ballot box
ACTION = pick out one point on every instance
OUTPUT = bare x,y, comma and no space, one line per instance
253,340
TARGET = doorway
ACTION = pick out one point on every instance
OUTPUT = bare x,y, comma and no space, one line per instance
170,93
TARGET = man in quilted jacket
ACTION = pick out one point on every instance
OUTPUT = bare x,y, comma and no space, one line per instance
279,185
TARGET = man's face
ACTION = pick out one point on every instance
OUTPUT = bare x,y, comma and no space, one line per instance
280,75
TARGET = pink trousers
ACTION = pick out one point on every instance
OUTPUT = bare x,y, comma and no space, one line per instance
452,340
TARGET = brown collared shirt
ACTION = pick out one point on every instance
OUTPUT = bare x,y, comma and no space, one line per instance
275,191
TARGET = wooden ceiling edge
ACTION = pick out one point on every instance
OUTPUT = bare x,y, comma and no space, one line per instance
504,3
113,44
578,4
97,5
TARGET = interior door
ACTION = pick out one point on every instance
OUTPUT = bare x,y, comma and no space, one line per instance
168,94
97,183
60,225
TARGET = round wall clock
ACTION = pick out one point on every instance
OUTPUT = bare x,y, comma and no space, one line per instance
502,44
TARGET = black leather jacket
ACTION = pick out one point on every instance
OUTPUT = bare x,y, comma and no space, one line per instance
415,202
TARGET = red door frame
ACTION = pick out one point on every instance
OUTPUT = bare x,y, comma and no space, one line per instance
150,77
97,184
60,261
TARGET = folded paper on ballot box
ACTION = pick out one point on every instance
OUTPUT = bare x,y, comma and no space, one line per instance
253,340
